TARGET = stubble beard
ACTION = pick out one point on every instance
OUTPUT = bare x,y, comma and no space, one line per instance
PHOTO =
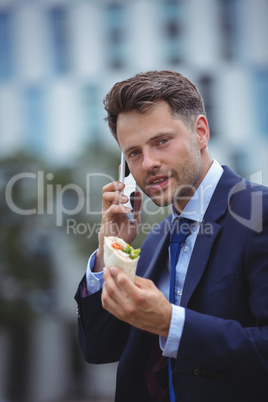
180,189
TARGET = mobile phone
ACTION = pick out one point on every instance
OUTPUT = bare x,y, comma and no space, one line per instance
130,186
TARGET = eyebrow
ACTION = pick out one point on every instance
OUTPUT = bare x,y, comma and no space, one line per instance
152,139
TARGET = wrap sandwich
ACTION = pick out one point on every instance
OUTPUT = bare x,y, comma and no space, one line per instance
120,254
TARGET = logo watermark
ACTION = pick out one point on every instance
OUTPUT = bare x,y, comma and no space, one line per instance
50,199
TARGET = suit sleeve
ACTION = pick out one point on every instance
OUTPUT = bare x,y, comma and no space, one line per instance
102,336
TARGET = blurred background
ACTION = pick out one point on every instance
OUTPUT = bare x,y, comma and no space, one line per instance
58,59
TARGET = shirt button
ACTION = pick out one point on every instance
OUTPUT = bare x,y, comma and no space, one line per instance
186,249
92,282
179,292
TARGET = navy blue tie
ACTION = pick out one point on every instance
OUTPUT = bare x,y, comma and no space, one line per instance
179,231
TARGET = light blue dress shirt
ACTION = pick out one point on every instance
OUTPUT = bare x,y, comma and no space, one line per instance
194,210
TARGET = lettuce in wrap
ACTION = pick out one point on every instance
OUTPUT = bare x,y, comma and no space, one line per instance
120,254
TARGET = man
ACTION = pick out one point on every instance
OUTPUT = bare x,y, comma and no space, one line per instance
211,341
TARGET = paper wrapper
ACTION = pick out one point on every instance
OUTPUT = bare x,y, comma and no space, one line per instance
117,258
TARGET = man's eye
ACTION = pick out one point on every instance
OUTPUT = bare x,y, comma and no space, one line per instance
134,153
163,141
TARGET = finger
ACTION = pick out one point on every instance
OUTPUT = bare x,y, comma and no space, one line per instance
114,198
109,286
108,303
115,209
112,287
138,280
143,283
113,186
111,193
122,280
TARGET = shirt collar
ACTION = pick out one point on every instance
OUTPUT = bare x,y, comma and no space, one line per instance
197,205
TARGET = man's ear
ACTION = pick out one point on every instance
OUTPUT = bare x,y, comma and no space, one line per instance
202,131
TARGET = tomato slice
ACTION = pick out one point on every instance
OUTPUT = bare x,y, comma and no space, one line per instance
117,246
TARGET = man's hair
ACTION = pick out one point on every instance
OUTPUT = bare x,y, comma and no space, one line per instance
141,92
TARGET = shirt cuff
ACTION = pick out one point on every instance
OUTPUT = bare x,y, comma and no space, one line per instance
170,345
94,279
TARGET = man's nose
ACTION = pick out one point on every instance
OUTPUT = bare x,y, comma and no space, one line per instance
150,160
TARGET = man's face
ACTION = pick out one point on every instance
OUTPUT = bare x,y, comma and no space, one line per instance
163,155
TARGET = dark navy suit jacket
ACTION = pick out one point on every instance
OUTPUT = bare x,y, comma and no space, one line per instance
223,353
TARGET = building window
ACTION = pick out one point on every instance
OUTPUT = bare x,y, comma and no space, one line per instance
35,119
172,12
91,114
261,91
115,35
229,14
206,89
6,46
60,41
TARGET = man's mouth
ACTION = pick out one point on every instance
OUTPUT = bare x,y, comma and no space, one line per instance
158,182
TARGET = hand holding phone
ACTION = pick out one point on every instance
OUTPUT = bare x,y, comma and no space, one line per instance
130,186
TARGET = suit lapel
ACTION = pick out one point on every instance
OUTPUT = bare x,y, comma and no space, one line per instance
159,258
208,232
204,242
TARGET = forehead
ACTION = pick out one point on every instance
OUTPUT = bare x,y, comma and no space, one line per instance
134,127
134,121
